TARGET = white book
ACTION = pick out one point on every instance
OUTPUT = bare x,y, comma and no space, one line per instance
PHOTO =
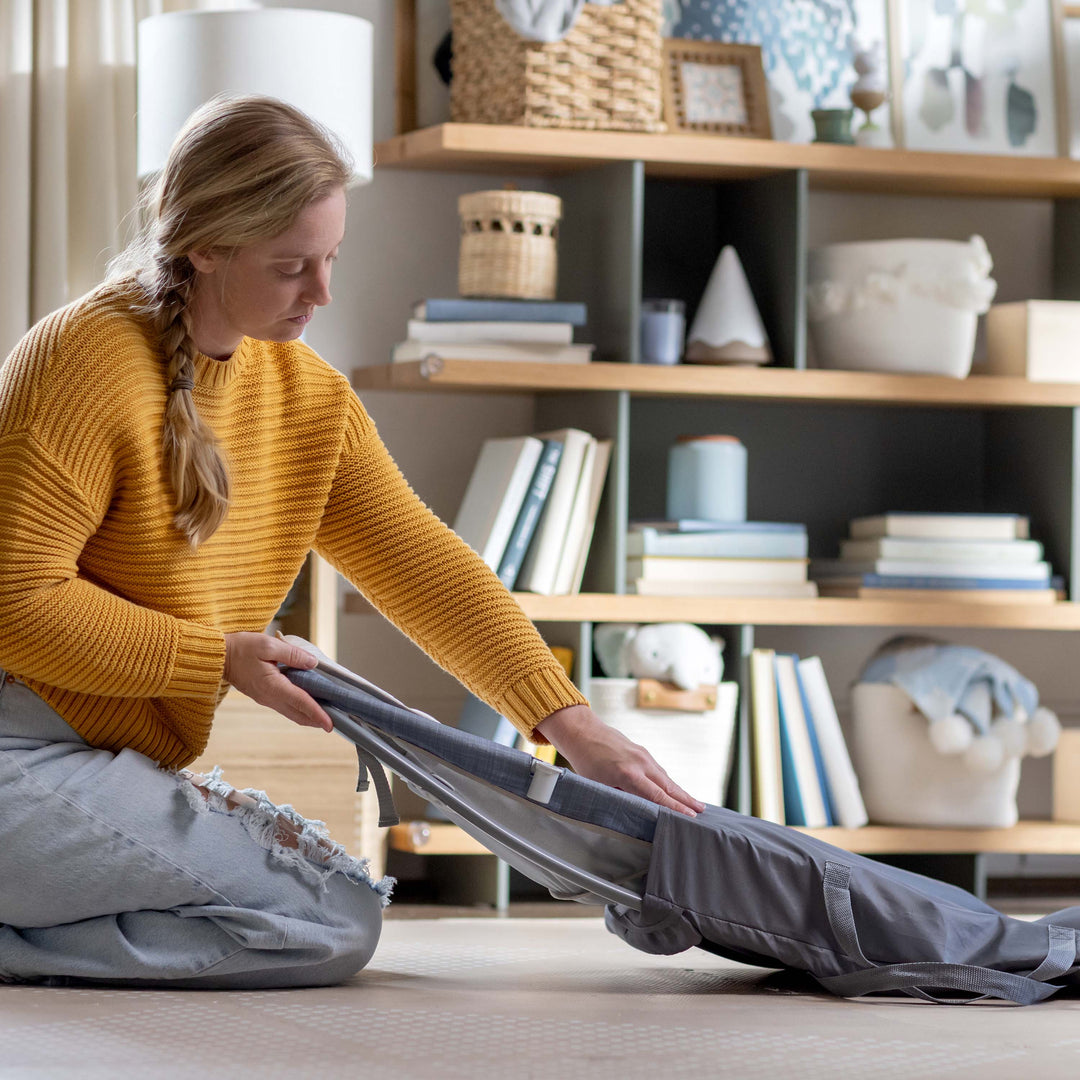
928,568
941,526
497,487
768,783
549,333
600,471
577,525
680,568
843,783
538,571
902,547
498,351
796,590
802,752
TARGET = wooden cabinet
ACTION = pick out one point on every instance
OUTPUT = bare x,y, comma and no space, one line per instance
645,215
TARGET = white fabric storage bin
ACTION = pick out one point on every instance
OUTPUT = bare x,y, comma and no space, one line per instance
694,748
905,781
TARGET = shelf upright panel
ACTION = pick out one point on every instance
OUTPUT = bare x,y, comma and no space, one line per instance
744,720
1066,275
600,261
600,253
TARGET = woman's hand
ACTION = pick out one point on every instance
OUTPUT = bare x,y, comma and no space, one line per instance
602,753
251,666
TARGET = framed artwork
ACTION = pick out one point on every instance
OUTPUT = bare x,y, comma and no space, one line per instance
807,49
980,78
715,88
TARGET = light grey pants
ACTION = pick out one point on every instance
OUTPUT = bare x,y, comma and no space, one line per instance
116,871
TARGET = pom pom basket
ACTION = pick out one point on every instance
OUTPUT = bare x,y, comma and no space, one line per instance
605,73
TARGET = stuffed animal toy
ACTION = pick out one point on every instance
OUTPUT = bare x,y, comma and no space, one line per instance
679,653
977,705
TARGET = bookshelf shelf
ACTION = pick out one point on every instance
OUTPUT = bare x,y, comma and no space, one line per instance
1027,837
719,610
493,148
748,384
433,838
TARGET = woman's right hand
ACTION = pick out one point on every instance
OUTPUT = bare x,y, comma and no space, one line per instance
251,666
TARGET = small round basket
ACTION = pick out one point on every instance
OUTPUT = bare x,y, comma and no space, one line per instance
508,244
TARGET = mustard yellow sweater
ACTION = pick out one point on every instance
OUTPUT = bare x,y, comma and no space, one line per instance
107,613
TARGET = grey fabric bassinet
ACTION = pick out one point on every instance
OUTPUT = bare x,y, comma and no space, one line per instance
735,885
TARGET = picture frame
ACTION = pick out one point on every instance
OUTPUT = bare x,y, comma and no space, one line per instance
715,88
967,82
808,50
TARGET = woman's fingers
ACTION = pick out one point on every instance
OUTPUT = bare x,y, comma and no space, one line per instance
251,665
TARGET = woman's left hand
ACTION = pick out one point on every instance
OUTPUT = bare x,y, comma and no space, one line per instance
604,754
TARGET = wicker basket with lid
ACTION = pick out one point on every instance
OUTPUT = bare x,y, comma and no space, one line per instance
508,244
604,74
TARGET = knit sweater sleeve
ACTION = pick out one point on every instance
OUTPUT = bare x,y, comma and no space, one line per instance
433,586
57,626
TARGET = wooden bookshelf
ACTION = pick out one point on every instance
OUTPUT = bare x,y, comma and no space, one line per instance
1028,837
733,611
493,148
740,610
433,838
743,383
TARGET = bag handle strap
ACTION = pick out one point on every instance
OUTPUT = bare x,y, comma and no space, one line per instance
368,765
910,978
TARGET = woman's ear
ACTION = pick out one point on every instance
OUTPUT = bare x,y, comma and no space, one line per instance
204,261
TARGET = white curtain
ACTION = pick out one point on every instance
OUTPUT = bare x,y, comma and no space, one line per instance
67,146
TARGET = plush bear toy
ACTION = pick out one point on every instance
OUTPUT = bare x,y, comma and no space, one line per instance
679,653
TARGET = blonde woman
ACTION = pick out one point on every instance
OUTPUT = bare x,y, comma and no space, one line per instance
169,453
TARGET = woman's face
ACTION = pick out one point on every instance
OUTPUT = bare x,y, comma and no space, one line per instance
270,289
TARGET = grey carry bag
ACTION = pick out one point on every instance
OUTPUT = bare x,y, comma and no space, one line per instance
734,885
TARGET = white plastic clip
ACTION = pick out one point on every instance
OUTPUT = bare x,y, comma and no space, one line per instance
544,779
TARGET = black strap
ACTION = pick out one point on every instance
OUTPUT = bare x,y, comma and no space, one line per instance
911,978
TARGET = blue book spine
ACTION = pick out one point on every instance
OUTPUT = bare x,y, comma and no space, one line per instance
466,309
529,514
815,746
793,807
905,581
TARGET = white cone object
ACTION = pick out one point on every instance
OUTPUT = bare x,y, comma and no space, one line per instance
727,327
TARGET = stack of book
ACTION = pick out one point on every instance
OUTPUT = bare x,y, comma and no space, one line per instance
713,558
802,772
969,557
530,507
464,328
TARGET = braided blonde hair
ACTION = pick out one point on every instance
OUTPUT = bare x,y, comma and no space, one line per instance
241,170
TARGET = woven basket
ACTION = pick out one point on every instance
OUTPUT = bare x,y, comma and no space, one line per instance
508,244
605,73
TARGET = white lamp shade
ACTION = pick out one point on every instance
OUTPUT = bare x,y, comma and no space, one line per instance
318,61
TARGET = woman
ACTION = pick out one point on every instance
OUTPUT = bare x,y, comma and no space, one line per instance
169,453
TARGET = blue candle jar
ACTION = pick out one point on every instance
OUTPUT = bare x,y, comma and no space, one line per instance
707,479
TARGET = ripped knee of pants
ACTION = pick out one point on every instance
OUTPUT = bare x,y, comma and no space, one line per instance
300,843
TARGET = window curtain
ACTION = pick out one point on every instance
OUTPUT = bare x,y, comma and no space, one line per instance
67,146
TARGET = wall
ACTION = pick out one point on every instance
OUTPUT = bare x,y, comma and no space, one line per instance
402,246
